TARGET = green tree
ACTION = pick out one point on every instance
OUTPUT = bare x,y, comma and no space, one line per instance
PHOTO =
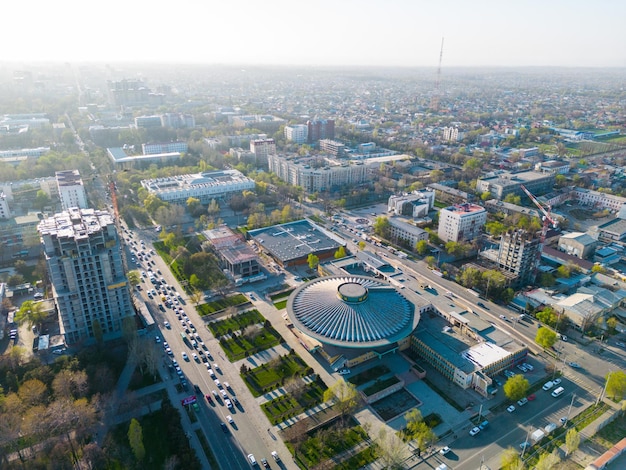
547,316
572,440
513,199
194,206
133,277
340,253
546,280
430,261
421,247
312,260
362,245
547,461
485,196
560,181
382,227
41,200
196,296
470,277
516,387
611,323
545,337
563,271
507,295
195,281
30,312
511,460
344,395
616,384
495,228
493,279
598,268
135,439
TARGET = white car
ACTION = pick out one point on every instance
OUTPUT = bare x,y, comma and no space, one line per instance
522,402
228,403
556,381
444,450
252,460
195,357
475,430
185,357
230,419
223,392
167,325
510,409
528,366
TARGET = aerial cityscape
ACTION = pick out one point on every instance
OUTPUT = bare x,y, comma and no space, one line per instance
315,253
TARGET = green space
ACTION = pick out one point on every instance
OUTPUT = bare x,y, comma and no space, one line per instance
327,442
280,305
433,420
235,323
292,404
249,341
191,265
368,375
381,385
274,373
163,437
611,434
281,295
440,204
359,460
221,304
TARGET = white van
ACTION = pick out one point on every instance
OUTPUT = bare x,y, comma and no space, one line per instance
558,392
548,385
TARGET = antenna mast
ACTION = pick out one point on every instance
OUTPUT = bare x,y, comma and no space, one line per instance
434,104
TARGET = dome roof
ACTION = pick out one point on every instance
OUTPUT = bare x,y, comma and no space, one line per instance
351,311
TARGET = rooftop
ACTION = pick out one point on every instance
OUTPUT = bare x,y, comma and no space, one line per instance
352,311
75,223
295,240
465,208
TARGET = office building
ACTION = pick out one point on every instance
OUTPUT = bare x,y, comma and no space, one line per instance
505,183
71,189
89,284
461,222
203,186
332,147
518,255
164,147
319,129
403,233
416,204
297,133
235,255
147,122
261,149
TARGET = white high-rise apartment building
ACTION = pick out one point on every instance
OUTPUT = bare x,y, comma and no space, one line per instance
71,189
461,222
297,133
89,284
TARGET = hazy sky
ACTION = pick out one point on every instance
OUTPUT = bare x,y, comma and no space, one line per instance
319,32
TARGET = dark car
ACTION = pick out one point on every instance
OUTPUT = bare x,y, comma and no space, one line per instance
224,428
196,387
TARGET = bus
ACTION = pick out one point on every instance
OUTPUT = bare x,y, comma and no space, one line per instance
473,292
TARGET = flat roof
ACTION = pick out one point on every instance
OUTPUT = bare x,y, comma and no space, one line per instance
118,155
294,240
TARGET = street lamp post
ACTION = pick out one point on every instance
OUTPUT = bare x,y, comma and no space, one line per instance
601,396
569,410
526,442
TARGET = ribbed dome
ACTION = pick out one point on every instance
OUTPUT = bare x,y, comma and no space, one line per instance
353,311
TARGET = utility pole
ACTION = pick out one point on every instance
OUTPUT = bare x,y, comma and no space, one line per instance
601,396
569,409
526,443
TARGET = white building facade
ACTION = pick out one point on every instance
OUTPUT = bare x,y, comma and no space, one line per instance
461,222
71,189
297,133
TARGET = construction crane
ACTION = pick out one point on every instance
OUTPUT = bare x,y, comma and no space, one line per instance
548,221
434,102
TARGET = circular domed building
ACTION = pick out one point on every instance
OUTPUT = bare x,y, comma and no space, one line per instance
352,313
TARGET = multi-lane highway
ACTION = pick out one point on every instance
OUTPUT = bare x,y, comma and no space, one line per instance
248,434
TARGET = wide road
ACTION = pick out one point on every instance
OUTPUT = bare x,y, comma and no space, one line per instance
249,432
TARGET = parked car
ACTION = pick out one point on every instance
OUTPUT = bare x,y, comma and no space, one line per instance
511,409
475,430
444,450
528,366
522,402
556,381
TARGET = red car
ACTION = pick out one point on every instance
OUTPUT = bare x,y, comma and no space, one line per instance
208,398
531,397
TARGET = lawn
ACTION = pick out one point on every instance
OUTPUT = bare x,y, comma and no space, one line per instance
281,304
380,385
359,460
369,374
288,406
240,346
234,323
328,442
219,305
273,374
281,295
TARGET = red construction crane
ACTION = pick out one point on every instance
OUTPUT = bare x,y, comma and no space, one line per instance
547,221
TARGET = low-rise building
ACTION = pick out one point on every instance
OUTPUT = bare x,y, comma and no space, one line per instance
404,233
578,244
164,147
236,256
416,204
203,186
556,167
504,183
612,231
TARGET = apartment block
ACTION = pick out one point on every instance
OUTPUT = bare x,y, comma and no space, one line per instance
518,255
89,283
71,189
297,133
461,222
